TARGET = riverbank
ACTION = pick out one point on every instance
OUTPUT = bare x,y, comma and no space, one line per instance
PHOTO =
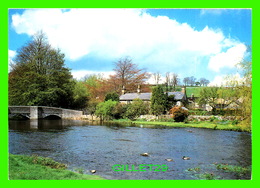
22,167
217,125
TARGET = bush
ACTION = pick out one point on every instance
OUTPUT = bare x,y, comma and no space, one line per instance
119,111
179,114
105,110
135,109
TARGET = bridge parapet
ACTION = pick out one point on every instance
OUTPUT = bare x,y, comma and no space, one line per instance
39,112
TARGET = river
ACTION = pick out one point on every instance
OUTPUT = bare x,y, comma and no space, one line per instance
82,145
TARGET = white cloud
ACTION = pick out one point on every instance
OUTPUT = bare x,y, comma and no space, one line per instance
80,74
113,33
11,56
227,80
228,59
212,11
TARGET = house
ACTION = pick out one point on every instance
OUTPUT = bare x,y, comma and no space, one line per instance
180,97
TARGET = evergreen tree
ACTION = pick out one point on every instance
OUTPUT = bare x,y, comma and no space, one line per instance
112,96
158,101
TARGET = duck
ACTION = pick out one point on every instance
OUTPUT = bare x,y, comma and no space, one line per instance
145,154
93,171
169,160
185,158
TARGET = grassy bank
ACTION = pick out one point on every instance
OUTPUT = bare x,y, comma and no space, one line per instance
23,167
202,124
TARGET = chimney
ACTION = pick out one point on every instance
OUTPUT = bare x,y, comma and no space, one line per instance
138,89
123,90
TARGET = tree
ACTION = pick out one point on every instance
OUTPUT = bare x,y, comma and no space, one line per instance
156,77
210,96
136,108
112,96
204,81
158,101
96,86
80,96
186,81
192,80
39,76
174,81
128,74
197,84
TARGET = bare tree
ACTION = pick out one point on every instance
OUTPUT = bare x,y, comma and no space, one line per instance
192,80
128,74
186,81
156,77
174,80
204,81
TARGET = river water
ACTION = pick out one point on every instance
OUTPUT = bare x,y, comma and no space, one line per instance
85,146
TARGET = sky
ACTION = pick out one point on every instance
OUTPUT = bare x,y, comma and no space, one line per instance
204,43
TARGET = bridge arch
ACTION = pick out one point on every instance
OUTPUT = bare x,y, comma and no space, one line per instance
18,116
50,117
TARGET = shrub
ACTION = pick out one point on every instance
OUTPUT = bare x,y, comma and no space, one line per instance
119,110
136,108
105,110
179,114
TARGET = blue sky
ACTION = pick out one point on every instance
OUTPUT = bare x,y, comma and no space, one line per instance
190,42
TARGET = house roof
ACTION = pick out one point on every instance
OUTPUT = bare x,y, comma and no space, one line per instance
132,96
177,95
147,96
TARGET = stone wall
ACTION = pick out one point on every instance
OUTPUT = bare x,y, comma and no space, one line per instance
74,114
190,117
90,118
207,118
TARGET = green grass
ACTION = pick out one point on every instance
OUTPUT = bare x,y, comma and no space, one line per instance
193,90
208,176
238,170
23,167
202,124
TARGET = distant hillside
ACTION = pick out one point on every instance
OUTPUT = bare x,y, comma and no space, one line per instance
193,90
189,90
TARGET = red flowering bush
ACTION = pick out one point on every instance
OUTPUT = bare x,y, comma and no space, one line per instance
179,113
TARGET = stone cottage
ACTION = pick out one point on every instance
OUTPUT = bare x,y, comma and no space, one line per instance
180,97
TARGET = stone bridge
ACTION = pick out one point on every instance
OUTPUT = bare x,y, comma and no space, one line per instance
40,112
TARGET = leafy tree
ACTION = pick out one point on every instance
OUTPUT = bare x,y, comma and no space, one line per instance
96,86
112,96
105,110
136,108
197,84
158,101
80,95
39,76
210,96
